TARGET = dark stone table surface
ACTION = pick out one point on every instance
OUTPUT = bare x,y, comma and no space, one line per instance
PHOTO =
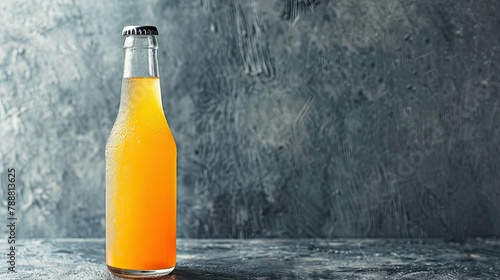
273,259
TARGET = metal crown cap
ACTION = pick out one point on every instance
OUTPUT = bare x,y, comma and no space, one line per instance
139,30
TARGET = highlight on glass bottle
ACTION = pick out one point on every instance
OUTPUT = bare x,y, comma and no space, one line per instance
141,158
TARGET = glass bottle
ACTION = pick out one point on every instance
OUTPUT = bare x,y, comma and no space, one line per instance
141,168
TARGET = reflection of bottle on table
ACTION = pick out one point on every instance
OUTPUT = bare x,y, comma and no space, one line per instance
141,168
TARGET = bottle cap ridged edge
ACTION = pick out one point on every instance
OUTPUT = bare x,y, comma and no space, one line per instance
139,30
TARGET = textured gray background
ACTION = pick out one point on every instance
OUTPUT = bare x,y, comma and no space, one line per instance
293,118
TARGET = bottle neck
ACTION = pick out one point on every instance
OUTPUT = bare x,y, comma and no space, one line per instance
141,58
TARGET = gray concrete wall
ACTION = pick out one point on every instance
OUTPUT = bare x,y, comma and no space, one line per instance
293,118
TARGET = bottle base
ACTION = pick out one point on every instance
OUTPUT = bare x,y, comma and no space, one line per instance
133,273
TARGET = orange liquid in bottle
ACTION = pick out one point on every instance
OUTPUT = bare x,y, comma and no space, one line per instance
141,182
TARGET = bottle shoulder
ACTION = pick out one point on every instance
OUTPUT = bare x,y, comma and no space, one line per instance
152,130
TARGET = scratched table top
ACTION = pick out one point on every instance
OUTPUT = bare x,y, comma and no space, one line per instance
273,259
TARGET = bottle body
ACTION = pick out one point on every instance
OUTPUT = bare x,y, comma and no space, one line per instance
141,190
